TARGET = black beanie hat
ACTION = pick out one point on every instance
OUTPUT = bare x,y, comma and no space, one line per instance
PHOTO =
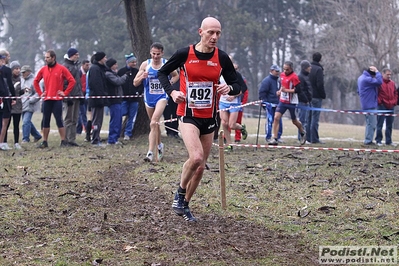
99,55
71,52
110,62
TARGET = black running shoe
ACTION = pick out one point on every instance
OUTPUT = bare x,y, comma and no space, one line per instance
244,132
303,138
177,205
64,143
73,144
229,148
43,145
187,215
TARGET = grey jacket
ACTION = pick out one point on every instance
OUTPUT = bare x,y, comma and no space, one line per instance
75,71
30,99
114,86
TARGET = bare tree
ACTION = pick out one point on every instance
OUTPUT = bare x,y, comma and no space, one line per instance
353,35
360,31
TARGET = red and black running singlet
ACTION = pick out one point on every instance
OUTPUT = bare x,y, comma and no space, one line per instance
197,81
288,82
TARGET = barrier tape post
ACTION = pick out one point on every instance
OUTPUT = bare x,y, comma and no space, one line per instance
221,170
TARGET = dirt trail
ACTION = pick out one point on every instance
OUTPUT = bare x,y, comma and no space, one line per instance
213,238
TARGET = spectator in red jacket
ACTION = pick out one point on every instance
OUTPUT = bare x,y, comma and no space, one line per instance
54,75
387,99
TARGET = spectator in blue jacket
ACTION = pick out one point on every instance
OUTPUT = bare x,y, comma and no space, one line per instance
367,87
267,93
114,85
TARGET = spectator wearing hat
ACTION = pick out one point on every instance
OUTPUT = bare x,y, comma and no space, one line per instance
54,76
367,87
316,78
30,104
305,96
131,93
16,108
114,85
9,90
72,104
97,82
268,94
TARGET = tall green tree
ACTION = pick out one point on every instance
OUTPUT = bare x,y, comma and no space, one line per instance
38,25
22,38
262,33
90,26
175,23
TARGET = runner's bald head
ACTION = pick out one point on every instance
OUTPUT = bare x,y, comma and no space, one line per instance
210,22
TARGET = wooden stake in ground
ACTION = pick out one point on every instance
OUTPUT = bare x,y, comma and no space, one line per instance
156,144
221,170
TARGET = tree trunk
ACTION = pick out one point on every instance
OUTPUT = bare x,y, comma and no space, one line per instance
138,27
142,124
139,31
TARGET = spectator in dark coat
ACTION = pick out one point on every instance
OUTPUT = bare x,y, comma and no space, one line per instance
97,82
305,96
316,77
114,85
72,105
6,90
130,104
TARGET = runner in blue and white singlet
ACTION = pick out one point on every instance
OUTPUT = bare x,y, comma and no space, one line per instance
153,90
155,98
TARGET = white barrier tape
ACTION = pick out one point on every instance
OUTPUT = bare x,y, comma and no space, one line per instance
175,130
358,112
169,120
240,106
310,148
